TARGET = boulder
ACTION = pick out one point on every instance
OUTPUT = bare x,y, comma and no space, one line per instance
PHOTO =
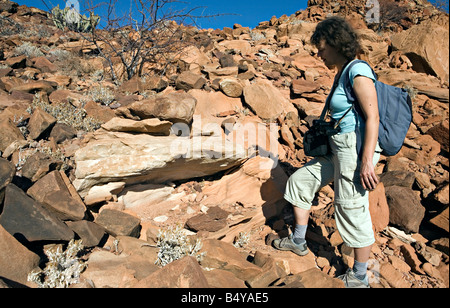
108,270
29,221
89,232
214,220
379,209
155,83
440,133
64,96
10,133
182,273
148,126
134,85
218,278
315,278
189,80
52,192
442,220
271,271
210,105
221,255
442,195
266,100
427,46
119,223
17,62
61,132
398,178
423,83
103,193
405,209
308,108
374,46
429,149
300,86
7,172
11,251
38,165
99,112
394,277
121,157
40,123
61,80
227,60
430,254
174,107
36,86
44,65
219,73
193,59
254,184
410,255
240,46
231,87
145,195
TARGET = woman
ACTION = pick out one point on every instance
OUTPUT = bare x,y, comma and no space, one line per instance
353,173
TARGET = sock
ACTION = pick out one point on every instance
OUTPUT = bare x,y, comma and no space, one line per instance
360,270
299,234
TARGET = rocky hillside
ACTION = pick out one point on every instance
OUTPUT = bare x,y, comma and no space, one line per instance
189,164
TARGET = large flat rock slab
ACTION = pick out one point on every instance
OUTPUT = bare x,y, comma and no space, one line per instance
130,158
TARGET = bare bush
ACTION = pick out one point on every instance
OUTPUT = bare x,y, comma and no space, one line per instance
152,33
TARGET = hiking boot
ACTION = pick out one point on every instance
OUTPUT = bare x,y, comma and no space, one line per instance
351,281
287,244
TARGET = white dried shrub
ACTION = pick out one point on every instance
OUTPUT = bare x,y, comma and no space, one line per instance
28,50
61,54
257,36
29,149
67,113
63,269
101,94
174,244
242,240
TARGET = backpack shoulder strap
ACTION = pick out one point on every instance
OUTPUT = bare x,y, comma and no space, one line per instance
348,85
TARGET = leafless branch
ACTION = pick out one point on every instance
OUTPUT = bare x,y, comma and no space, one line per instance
151,31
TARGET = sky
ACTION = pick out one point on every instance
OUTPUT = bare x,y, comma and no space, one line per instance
248,13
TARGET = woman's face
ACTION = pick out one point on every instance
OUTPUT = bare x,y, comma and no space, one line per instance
328,54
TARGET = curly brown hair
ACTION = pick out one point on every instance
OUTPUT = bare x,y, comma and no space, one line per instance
337,33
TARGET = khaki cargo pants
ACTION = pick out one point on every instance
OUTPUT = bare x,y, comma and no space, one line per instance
351,200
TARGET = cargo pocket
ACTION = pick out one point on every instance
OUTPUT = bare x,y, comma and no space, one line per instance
354,223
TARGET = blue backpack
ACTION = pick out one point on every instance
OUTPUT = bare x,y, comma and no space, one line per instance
395,110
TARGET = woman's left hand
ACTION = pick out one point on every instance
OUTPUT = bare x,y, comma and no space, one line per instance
369,179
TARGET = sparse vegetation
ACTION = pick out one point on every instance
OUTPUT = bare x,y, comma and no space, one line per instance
242,240
73,20
101,94
175,244
257,36
63,268
67,113
28,50
9,27
154,35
